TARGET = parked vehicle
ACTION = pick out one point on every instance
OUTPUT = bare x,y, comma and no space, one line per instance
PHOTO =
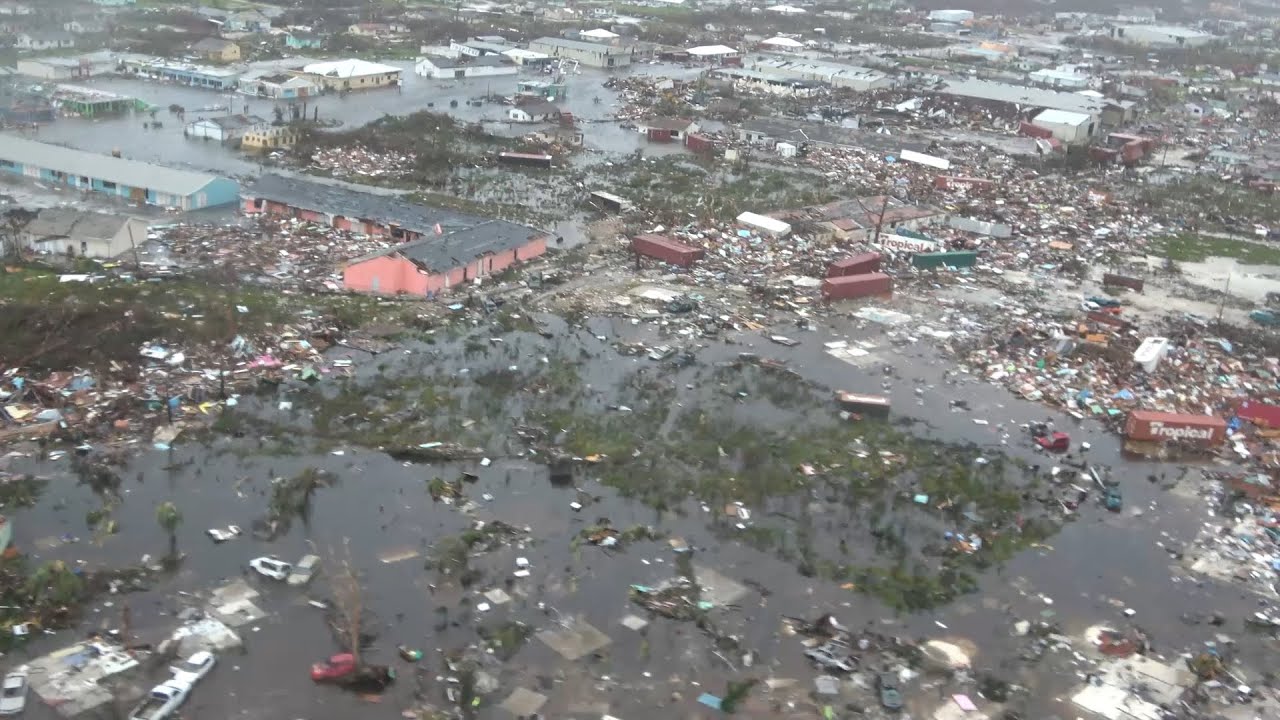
1265,317
890,695
14,696
193,669
163,700
274,568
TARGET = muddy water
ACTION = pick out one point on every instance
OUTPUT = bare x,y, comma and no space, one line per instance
382,507
168,146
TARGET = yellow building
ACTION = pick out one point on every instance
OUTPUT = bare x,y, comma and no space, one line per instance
269,137
351,75
217,50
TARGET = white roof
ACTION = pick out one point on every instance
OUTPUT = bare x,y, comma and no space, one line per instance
783,42
1062,117
787,9
772,225
348,68
525,54
705,50
600,33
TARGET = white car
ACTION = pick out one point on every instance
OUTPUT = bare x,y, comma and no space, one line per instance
14,697
273,568
163,700
194,668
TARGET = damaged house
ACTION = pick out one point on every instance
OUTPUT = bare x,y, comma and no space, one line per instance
82,233
439,249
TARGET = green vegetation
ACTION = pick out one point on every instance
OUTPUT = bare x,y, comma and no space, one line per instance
50,324
21,491
1191,247
169,518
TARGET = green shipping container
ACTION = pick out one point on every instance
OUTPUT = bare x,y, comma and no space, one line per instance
931,261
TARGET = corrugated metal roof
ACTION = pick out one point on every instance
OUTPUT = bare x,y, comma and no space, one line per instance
579,45
1032,97
131,173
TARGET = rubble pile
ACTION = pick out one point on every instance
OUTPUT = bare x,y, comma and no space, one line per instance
170,388
276,250
362,161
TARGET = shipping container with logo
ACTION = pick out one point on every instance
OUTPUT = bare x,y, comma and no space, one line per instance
859,264
957,259
856,286
1148,425
661,247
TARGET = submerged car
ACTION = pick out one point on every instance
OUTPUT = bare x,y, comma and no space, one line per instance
337,667
890,694
1055,442
274,568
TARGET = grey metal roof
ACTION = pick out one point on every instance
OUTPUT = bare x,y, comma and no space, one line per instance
76,224
438,254
1027,96
131,173
579,45
465,236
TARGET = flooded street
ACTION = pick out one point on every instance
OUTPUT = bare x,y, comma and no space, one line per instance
167,145
382,507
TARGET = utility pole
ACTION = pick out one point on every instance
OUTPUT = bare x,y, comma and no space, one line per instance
1222,306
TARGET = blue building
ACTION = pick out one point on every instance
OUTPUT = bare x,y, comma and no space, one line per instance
304,41
202,76
129,179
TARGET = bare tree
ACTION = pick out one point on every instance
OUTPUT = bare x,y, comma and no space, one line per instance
348,600
15,220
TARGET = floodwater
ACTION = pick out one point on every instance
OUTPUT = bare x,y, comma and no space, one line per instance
167,145
381,506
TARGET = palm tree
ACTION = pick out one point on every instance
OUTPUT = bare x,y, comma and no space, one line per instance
169,517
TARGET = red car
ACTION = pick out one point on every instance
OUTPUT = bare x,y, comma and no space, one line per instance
338,667
1058,441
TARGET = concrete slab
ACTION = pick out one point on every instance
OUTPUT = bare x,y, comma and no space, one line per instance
238,589
578,639
718,589
522,703
208,635
497,596
634,622
71,679
237,613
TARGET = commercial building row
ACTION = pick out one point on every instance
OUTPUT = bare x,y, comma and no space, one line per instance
128,179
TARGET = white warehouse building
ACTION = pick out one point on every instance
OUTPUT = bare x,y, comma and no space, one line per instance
1070,127
1161,36
951,16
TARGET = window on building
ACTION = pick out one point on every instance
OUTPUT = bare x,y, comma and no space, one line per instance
108,185
84,248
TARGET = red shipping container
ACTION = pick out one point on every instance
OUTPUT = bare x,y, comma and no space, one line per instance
856,286
1160,426
659,135
698,143
661,247
1132,283
1260,413
859,264
1035,131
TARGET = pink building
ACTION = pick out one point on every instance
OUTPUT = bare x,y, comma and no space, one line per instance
441,249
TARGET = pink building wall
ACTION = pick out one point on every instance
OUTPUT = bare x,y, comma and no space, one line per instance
392,274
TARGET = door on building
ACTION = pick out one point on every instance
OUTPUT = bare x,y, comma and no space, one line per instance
138,194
